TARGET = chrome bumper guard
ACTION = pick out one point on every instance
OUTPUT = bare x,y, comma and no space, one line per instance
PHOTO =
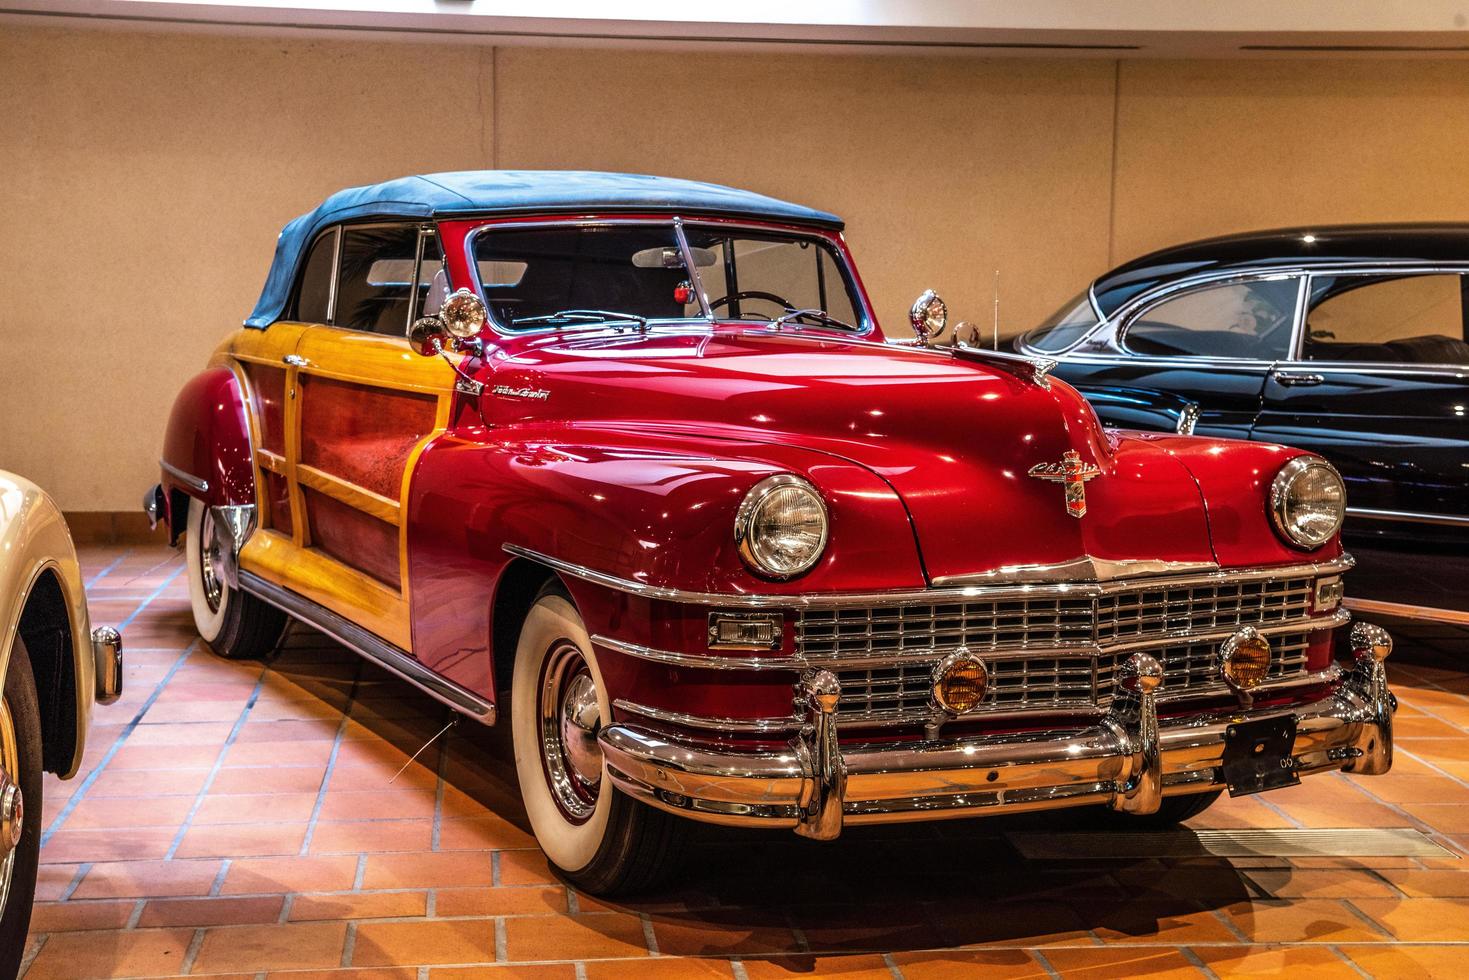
1129,760
107,656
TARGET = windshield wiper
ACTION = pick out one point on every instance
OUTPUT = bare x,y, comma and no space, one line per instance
820,316
584,316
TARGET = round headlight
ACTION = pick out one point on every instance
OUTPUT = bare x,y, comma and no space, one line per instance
781,526
1308,502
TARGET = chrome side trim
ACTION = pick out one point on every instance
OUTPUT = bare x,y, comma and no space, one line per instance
899,596
717,662
368,645
187,479
791,724
1083,569
1423,614
1408,517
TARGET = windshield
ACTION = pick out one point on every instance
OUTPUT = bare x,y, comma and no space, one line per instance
760,276
580,275
1064,327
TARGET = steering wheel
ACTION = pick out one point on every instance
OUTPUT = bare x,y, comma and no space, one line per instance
780,301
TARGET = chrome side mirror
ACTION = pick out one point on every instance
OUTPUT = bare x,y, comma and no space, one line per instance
428,336
458,321
928,316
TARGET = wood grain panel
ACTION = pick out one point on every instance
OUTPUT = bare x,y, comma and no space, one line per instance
360,433
278,503
325,581
354,538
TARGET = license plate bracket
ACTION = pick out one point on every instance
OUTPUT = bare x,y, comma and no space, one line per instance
1257,755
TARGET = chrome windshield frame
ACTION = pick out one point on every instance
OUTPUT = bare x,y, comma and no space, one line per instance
850,282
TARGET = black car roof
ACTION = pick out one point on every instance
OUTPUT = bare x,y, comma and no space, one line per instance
1282,247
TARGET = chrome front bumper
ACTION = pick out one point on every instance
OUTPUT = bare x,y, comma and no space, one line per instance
1128,760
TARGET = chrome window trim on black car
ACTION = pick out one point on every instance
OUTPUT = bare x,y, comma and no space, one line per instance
1111,330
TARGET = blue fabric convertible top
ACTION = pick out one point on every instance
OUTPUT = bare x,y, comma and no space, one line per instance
473,192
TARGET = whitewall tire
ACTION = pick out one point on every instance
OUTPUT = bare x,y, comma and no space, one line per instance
601,840
235,624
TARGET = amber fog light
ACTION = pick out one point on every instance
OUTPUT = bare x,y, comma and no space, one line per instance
1244,659
960,682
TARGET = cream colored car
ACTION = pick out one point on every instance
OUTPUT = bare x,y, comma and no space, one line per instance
52,667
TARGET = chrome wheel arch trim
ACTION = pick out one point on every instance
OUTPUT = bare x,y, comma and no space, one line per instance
1027,588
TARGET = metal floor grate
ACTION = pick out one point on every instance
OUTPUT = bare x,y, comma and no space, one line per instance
1284,843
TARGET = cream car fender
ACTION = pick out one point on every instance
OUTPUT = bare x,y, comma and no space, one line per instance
38,562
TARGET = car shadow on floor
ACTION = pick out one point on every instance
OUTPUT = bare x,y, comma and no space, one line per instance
771,895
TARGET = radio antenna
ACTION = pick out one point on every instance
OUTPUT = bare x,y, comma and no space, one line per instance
997,309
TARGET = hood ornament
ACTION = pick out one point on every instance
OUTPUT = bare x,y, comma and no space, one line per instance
1072,473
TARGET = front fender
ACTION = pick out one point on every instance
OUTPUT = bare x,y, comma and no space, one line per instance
206,449
653,509
35,550
1234,477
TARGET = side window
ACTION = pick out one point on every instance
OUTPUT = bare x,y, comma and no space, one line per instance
376,279
314,295
1402,320
1237,319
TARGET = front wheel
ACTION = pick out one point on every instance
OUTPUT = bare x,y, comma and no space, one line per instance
603,841
234,623
20,805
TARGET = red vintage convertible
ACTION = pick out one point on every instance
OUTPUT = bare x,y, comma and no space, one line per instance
629,460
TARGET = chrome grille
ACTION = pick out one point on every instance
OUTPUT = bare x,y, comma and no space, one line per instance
890,681
900,692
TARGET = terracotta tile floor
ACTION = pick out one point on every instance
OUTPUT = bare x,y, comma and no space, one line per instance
244,819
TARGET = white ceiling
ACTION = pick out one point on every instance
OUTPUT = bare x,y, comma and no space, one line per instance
1121,28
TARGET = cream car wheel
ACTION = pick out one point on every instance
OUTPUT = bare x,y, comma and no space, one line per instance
209,597
556,704
20,804
12,801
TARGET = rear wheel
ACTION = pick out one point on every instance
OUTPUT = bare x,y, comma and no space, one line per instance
234,623
603,841
20,804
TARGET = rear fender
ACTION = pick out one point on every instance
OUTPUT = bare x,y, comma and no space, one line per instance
206,451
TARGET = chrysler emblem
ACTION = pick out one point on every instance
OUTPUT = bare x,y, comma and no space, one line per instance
1071,473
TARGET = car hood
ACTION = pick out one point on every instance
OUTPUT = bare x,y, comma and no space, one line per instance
956,438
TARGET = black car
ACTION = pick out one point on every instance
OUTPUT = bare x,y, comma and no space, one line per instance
1349,341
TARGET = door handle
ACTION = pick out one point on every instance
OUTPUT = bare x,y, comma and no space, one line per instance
295,360
1292,380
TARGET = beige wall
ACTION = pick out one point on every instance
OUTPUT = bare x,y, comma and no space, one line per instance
143,179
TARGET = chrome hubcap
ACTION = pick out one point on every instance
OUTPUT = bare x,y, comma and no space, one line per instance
569,722
209,562
12,806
